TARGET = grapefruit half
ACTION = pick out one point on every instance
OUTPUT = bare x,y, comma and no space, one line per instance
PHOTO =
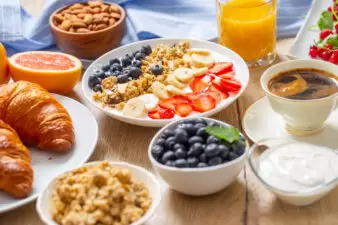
4,75
57,72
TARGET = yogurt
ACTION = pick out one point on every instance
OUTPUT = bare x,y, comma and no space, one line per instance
298,167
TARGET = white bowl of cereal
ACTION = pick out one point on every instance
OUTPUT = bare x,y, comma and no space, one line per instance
153,82
100,192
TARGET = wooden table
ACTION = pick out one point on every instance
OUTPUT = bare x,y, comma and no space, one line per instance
245,202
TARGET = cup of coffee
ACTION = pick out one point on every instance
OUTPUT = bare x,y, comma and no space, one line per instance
303,92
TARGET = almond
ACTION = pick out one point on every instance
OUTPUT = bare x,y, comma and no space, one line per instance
66,11
90,27
71,29
82,30
97,18
96,10
106,19
115,15
58,18
79,25
81,15
100,27
88,19
65,25
114,8
104,14
77,11
75,19
67,16
112,22
76,6
87,9
95,3
105,8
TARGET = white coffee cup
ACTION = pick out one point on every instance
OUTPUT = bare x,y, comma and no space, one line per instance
302,117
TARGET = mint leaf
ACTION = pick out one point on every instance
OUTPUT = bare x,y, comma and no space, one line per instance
228,134
333,40
325,21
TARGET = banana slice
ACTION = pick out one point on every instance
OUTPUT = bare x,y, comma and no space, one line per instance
150,100
186,58
121,88
202,60
183,74
174,90
159,90
135,107
172,80
200,71
199,51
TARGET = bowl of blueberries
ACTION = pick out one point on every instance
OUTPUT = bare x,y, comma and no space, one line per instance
197,155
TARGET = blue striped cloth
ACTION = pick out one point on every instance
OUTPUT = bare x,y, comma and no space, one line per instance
146,19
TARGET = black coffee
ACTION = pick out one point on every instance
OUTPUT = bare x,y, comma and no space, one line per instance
304,84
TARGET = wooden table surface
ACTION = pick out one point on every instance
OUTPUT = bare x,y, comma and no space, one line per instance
245,202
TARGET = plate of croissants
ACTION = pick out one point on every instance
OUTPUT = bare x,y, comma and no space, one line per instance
41,136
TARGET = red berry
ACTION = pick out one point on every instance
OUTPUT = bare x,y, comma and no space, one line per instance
313,53
336,28
326,55
329,9
313,47
334,17
328,46
334,58
324,33
320,52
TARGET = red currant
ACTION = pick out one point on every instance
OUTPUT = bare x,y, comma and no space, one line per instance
324,33
328,46
336,28
326,55
334,58
313,52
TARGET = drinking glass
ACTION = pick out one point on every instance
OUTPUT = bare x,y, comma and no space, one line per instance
248,27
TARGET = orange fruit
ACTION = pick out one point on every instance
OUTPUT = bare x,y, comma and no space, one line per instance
57,72
4,75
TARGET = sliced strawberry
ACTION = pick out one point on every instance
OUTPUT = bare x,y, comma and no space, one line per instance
161,113
200,83
226,85
213,88
216,95
203,103
229,75
154,115
180,99
221,68
183,109
169,103
192,96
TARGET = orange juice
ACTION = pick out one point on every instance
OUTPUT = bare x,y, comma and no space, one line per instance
248,27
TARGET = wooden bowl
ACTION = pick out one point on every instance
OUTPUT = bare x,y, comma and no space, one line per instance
89,45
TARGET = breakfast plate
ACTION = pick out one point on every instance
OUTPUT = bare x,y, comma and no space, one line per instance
219,53
260,122
47,165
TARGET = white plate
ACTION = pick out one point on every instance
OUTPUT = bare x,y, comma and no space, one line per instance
220,53
47,165
305,37
260,121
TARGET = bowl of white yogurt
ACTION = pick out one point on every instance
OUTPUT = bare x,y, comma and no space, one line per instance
298,173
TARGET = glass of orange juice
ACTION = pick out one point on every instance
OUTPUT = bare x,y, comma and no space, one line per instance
248,27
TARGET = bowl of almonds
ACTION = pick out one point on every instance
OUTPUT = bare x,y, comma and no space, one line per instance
88,30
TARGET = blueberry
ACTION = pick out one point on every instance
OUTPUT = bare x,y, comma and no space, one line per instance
181,136
169,155
116,73
223,151
180,153
140,56
168,133
202,165
146,49
201,132
157,70
203,158
215,161
179,146
105,67
242,138
170,163
108,74
116,67
239,148
126,69
125,61
212,150
100,74
199,125
212,123
97,88
189,121
137,63
113,61
192,162
196,149
123,78
129,56
159,141
232,156
181,163
157,151
93,80
200,120
195,139
212,139
135,72
134,53
190,128
169,143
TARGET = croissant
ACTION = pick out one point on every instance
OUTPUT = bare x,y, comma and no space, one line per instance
38,118
16,174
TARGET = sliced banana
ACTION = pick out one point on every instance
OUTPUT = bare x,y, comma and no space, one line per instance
183,74
202,60
200,71
186,58
199,51
121,88
150,100
174,90
159,90
172,80
135,107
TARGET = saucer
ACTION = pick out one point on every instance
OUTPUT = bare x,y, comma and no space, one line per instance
260,121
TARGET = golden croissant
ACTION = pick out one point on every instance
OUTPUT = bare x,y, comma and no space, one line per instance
40,121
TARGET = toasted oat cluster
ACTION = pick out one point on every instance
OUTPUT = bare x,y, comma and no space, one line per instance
100,194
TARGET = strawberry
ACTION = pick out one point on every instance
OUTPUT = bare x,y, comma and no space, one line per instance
221,68
200,83
324,33
154,114
229,75
161,113
192,96
169,103
213,88
216,95
183,109
203,103
226,85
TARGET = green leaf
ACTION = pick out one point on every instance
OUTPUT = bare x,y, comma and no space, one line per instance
333,40
325,21
228,134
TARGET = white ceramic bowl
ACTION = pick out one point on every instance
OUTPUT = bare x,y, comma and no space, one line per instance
43,204
198,181
221,53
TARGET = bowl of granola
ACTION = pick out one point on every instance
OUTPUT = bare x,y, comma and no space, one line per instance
153,82
100,193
